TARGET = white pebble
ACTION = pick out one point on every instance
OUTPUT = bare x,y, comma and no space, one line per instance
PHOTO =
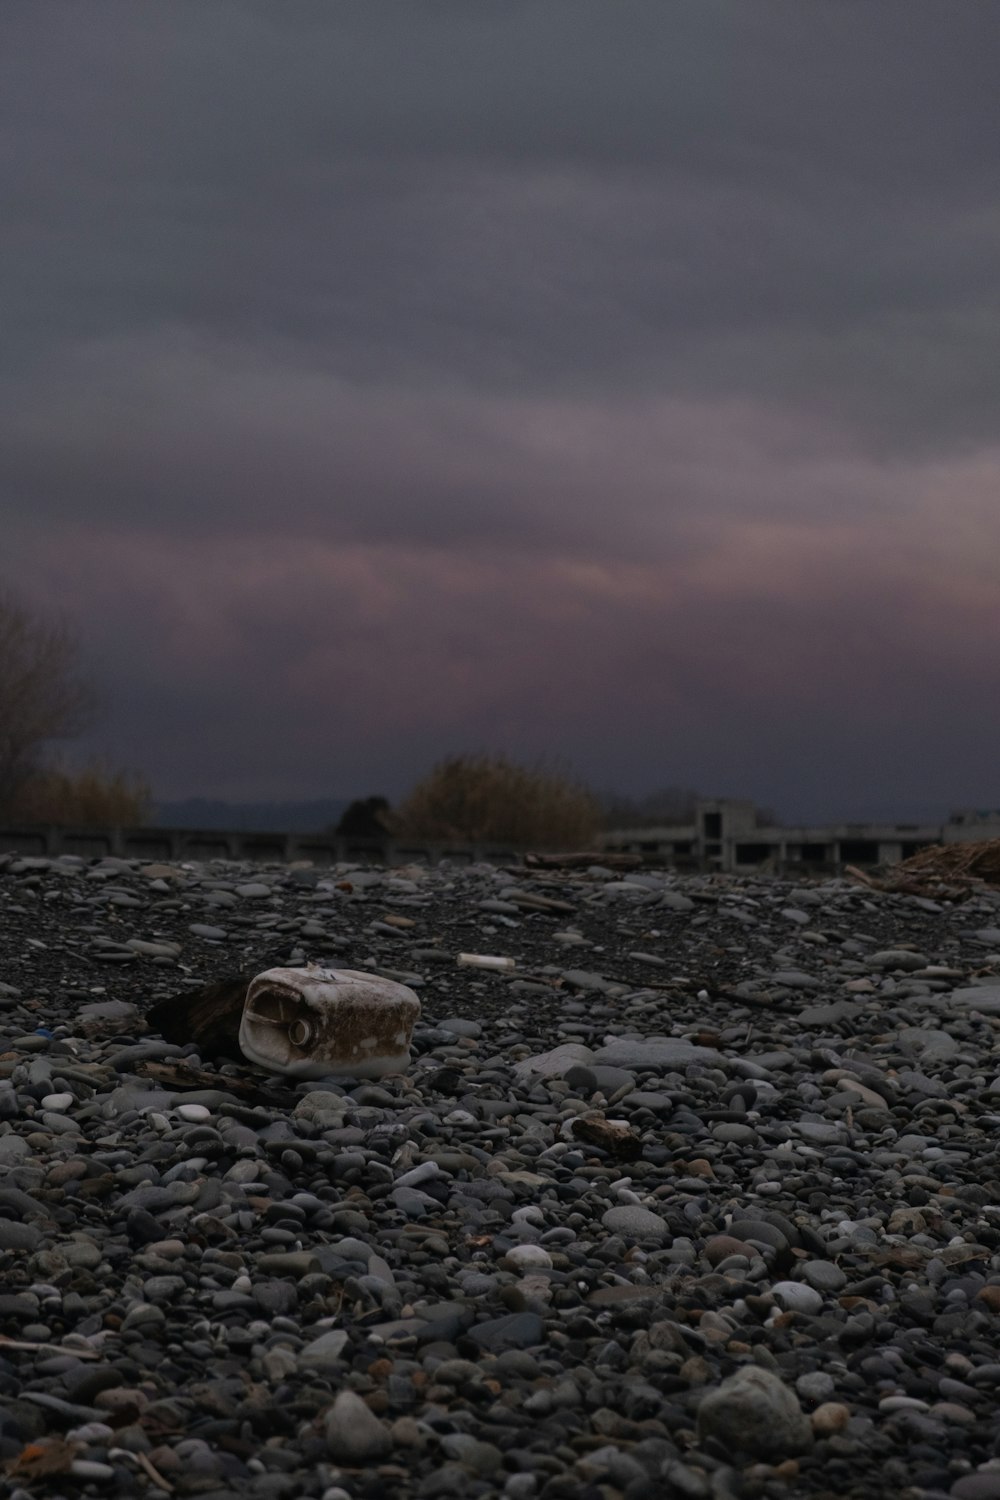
89,1468
193,1112
796,1296
527,1258
58,1103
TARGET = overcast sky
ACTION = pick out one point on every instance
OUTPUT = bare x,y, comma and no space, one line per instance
610,381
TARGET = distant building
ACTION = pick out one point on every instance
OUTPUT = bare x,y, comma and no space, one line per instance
725,836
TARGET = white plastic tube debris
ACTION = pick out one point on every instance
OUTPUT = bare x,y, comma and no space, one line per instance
486,961
313,1021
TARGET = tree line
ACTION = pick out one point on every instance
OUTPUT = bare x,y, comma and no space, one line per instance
47,696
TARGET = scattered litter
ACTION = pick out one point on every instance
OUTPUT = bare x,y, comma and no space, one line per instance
486,961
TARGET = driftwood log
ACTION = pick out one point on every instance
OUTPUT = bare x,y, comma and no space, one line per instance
181,1075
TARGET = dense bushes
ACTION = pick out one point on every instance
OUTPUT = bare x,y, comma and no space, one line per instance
488,798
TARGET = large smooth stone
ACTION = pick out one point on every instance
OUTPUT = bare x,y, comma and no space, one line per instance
311,1022
555,1063
755,1413
982,997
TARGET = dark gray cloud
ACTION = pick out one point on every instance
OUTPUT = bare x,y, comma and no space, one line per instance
570,193
672,326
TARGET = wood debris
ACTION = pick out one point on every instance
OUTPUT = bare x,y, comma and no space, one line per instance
613,1136
942,872
151,1470
48,1456
181,1075
32,1347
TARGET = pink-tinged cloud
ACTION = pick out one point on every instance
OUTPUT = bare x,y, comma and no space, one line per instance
368,394
212,438
265,664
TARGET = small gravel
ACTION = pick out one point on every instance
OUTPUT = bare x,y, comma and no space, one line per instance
779,1274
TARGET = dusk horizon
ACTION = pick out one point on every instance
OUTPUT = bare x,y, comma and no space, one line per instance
609,387
311,815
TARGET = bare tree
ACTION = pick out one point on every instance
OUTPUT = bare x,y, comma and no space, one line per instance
44,694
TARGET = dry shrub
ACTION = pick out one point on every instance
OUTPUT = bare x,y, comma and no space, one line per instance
490,799
93,796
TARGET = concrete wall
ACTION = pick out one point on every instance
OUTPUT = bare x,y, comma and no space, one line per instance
174,845
730,843
724,836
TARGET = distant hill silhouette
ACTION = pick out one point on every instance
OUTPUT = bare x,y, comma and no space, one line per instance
251,817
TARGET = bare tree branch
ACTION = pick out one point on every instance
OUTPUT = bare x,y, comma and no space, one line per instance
44,694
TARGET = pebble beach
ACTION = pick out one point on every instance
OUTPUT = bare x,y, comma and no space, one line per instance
696,1195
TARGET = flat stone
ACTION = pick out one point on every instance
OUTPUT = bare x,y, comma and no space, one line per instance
555,1063
819,1132
520,1330
929,1043
827,1015
981,997
897,958
655,1054
324,1352
153,950
636,1222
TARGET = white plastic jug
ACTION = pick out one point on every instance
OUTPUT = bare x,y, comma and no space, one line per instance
311,1022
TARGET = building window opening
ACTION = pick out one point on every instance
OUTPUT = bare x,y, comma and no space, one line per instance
859,852
753,854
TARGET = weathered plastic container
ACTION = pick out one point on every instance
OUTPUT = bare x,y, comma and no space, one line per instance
311,1022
